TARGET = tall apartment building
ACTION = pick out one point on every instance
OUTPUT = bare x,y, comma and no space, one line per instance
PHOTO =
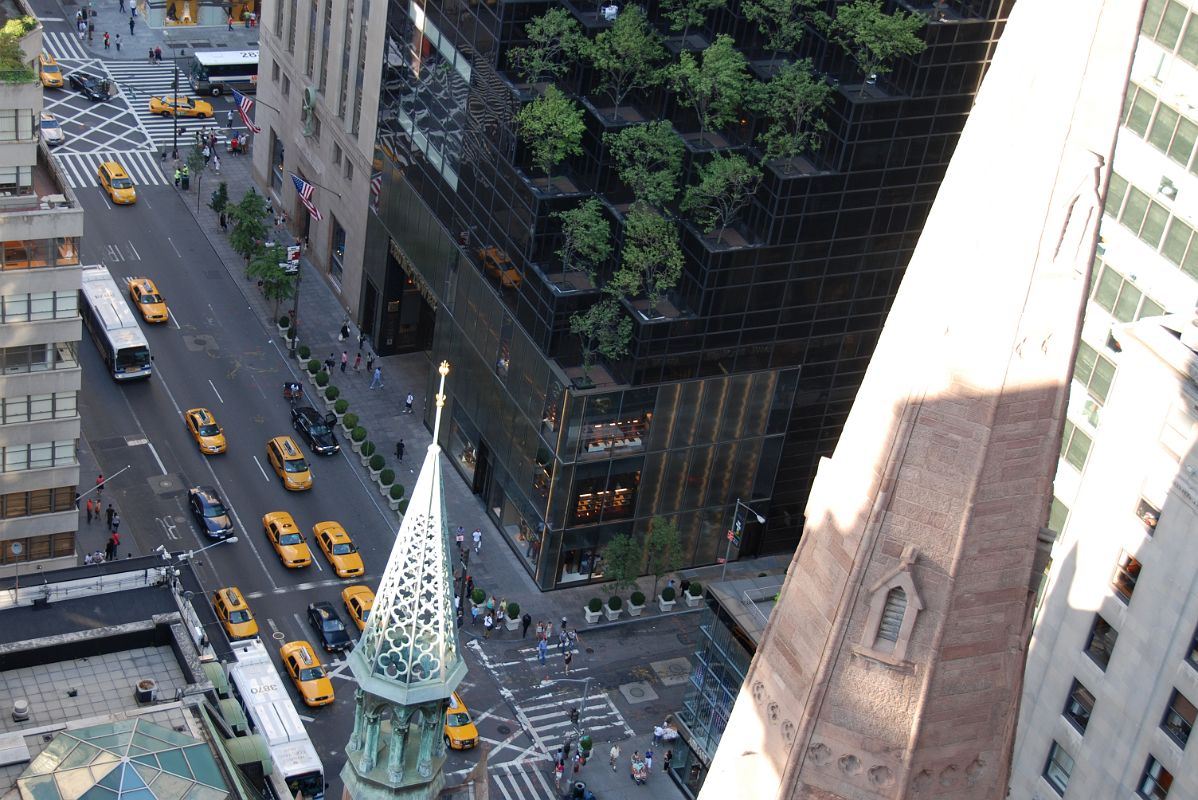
1147,264
743,380
318,87
40,328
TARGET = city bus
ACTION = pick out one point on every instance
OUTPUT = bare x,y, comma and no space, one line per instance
297,771
217,72
113,327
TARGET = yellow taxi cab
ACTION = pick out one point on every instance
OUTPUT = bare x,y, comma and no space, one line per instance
289,464
286,539
339,549
234,613
460,733
358,601
203,428
49,72
183,106
118,184
301,663
149,302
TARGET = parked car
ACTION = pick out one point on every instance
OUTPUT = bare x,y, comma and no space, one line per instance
210,513
317,429
52,133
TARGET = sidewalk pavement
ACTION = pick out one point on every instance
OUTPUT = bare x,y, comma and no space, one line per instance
136,45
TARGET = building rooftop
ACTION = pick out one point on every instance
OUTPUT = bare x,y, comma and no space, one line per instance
749,601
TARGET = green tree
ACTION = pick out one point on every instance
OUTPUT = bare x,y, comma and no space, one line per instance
793,101
552,127
665,549
220,198
622,559
195,166
586,237
13,68
781,22
726,184
603,330
648,159
686,14
249,226
555,42
715,85
628,55
276,284
875,39
652,256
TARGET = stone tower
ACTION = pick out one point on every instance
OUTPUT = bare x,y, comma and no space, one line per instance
407,662
892,665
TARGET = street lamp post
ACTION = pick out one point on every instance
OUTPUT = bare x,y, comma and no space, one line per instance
190,554
736,530
576,717
299,276
175,100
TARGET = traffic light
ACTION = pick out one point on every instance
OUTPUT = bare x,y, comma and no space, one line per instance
574,715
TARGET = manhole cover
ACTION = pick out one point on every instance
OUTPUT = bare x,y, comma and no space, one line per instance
590,651
672,671
504,730
638,692
165,484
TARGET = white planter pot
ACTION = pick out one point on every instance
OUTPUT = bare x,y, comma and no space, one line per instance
692,600
328,404
364,459
283,329
385,491
592,616
394,504
374,474
665,605
635,611
512,624
612,615
303,361
345,430
357,446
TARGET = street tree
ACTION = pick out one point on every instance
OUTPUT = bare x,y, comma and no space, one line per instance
686,14
781,22
195,165
622,559
586,237
628,56
648,159
651,262
603,330
793,101
726,184
552,127
555,43
249,225
275,283
664,546
220,198
875,39
715,85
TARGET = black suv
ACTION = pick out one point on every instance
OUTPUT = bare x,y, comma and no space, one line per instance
89,86
316,429
333,635
210,512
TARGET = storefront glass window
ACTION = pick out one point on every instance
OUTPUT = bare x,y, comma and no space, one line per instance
463,447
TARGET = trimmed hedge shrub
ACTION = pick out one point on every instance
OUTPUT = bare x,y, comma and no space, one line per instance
386,477
668,594
695,589
513,610
313,367
478,596
377,462
614,602
332,393
322,379
637,598
305,352
367,449
350,420
341,406
284,321
359,434
595,605
396,491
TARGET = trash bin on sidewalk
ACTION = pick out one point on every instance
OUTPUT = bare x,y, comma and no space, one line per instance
186,182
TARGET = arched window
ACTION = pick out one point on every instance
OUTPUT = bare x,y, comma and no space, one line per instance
892,616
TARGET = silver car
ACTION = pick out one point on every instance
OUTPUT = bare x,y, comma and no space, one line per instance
51,130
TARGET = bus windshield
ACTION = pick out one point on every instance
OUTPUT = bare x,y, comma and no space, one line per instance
310,785
133,357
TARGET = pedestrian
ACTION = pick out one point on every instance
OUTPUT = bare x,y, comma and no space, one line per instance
461,619
91,32
108,515
118,40
657,732
212,140
503,608
344,331
377,381
120,4
358,362
399,448
665,762
215,163
542,649
87,560
477,537
99,485
488,624
407,403
361,339
548,633
648,761
329,362
158,58
230,22
207,155
558,771
540,629
82,28
107,40
224,221
563,639
577,762
525,622
89,511
572,639
613,755
178,176
567,659
491,604
130,25
344,360
369,360
97,557
473,614
116,522
77,496
109,551
469,585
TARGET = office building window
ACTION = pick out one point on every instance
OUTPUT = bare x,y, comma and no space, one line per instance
1094,371
1075,446
1156,781
286,86
274,71
32,408
1120,297
1058,768
39,455
337,261
1169,25
1179,718
1101,642
1177,432
1127,572
277,154
336,153
1149,219
1079,706
1058,515
37,501
291,30
1149,514
312,47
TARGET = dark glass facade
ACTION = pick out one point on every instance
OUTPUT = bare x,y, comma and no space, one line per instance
744,382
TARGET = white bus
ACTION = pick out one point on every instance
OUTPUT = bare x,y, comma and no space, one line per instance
113,327
297,768
217,72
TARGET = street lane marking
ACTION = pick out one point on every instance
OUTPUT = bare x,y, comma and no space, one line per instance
136,255
213,385
299,587
153,452
172,244
169,527
264,475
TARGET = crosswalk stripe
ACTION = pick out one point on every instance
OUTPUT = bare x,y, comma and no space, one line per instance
80,168
64,45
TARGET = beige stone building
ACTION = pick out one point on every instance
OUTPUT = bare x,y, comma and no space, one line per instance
318,88
40,227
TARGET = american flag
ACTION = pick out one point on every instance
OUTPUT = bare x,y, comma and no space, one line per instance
305,190
244,107
376,189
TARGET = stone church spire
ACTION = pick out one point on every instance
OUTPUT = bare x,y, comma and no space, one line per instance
408,662
892,664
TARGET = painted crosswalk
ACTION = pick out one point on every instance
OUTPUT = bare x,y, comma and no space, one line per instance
138,82
63,45
524,780
80,168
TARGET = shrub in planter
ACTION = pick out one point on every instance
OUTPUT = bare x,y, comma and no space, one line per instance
290,333
332,393
595,605
586,744
305,352
387,477
637,598
359,434
313,366
377,462
367,449
695,589
322,379
341,406
668,594
284,321
403,506
478,596
614,602
350,421
513,610
397,492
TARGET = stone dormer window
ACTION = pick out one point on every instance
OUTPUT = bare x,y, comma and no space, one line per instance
894,604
